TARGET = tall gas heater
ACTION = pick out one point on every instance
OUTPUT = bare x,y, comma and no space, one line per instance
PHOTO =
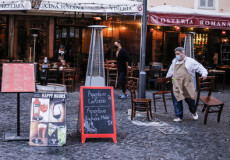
189,48
95,75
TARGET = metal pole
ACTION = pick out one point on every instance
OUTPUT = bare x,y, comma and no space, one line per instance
34,49
142,73
18,114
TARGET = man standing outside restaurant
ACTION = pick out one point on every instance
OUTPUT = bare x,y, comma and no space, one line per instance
122,57
182,70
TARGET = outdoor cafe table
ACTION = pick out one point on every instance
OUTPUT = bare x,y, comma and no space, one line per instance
217,74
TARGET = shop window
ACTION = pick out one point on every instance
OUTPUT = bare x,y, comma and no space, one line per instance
64,33
200,47
71,33
207,4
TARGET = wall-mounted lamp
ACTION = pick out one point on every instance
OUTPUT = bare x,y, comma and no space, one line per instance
177,28
97,18
223,33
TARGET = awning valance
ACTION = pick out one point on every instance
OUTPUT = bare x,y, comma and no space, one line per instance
169,15
8,5
102,6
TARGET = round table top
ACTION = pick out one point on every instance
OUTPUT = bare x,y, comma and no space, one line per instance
51,87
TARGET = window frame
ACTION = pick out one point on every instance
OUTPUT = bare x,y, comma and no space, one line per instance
206,5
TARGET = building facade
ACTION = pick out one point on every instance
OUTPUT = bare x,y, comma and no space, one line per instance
208,41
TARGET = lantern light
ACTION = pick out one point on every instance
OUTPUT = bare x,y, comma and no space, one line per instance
151,29
223,33
97,18
177,28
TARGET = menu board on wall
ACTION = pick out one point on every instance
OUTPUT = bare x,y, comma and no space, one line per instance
48,119
18,77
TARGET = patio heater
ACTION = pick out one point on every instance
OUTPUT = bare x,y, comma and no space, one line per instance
95,75
188,44
34,33
189,49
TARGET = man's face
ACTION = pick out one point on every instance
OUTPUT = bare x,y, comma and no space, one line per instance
181,54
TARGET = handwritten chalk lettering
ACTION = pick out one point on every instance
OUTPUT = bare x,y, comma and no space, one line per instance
98,106
96,101
98,111
104,117
110,122
92,119
12,6
97,94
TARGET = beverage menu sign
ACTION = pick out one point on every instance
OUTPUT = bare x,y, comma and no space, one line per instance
18,77
48,119
97,113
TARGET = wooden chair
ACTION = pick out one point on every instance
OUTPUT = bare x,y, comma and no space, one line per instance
165,85
142,103
131,76
211,104
111,73
53,75
154,73
69,78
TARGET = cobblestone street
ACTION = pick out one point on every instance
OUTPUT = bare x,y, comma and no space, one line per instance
159,139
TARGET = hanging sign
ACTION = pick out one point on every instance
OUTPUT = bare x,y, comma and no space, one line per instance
189,20
97,113
48,119
18,77
15,5
80,6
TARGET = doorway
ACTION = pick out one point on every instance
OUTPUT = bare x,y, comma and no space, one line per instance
171,42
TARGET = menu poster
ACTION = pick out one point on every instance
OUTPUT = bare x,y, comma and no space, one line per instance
18,77
48,119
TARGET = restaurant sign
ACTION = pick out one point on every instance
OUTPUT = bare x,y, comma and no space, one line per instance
189,20
15,5
54,6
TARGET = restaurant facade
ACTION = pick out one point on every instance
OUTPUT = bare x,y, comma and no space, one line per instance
165,31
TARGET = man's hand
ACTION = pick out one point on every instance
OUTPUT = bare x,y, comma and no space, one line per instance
204,78
129,67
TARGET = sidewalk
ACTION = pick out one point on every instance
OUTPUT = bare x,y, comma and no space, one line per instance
138,139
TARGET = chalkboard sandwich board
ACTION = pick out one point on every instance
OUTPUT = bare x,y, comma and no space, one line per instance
97,113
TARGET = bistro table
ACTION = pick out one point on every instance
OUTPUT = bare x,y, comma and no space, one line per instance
217,74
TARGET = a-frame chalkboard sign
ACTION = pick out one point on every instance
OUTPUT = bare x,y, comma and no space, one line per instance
97,113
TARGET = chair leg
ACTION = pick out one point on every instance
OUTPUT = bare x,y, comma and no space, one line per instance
150,109
147,109
154,102
206,115
132,112
204,108
164,103
219,114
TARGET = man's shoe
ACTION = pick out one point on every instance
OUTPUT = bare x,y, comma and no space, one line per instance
195,116
177,119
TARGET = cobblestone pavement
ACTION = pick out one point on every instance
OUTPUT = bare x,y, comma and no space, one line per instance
159,139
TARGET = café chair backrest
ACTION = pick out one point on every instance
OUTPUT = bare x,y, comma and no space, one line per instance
139,103
211,104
